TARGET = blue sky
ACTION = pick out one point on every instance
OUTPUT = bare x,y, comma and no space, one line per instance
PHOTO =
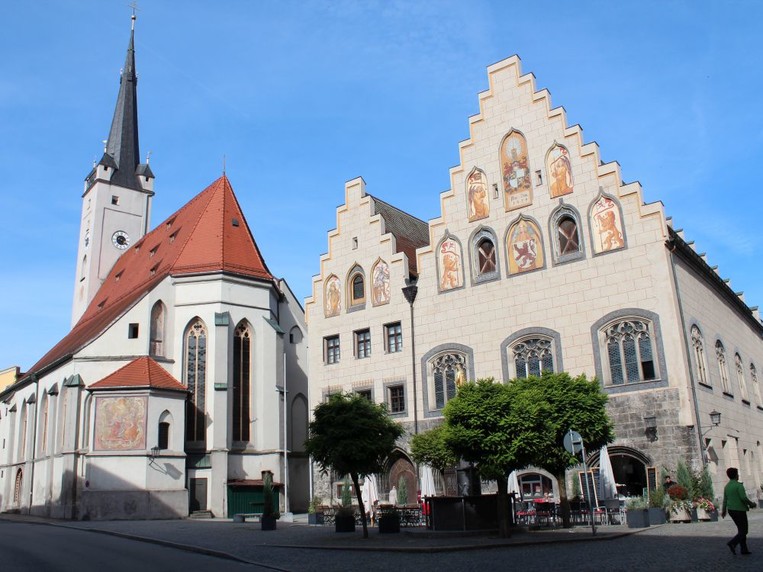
303,96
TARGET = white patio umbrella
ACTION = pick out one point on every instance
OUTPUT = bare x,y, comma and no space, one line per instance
369,492
426,484
514,483
607,484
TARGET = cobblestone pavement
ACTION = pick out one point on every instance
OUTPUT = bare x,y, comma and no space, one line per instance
297,546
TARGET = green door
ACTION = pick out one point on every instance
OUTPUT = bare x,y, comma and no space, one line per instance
246,499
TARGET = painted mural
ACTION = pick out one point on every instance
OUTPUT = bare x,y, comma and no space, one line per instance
524,246
332,297
380,286
477,193
120,423
607,225
515,167
451,273
559,171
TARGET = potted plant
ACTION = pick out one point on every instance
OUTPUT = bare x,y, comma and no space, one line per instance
344,520
314,511
389,520
705,509
679,505
636,513
269,513
656,508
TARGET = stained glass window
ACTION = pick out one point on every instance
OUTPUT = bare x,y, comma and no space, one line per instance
630,352
533,357
242,344
446,368
196,377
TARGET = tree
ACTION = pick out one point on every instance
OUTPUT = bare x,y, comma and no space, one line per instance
569,403
430,448
487,425
353,436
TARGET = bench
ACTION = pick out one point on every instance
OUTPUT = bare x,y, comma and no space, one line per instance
243,517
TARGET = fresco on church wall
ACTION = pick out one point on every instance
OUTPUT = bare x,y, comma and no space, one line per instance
559,171
477,194
607,225
380,286
525,247
120,423
332,303
515,168
449,256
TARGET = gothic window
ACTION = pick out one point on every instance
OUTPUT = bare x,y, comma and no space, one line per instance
533,356
156,347
484,255
17,488
567,234
629,349
723,370
740,378
164,431
196,381
242,351
44,424
755,385
565,231
357,287
22,441
448,372
698,346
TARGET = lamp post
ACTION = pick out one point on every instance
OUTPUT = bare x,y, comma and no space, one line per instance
410,292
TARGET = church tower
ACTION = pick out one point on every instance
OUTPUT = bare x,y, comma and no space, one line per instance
116,204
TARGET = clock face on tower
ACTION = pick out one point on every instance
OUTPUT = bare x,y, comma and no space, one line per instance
120,239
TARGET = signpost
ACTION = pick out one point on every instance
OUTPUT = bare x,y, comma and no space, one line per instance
573,442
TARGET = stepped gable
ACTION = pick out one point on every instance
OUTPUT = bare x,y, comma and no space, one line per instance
208,234
410,233
140,373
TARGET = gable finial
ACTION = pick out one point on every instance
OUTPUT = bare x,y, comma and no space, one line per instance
223,164
134,6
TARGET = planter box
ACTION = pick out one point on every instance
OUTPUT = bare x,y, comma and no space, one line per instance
657,516
344,523
638,518
315,518
707,515
389,524
268,522
680,515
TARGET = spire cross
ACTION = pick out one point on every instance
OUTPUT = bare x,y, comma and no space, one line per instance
134,6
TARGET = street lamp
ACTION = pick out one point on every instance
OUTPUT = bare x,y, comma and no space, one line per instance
715,418
410,292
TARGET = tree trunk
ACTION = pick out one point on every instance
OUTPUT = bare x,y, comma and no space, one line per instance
564,502
504,520
359,495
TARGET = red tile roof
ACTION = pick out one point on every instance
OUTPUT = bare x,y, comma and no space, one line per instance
208,234
139,373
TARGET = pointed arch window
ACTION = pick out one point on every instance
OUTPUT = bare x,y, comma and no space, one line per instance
158,318
17,487
740,378
24,422
723,370
44,424
533,356
242,367
755,385
196,381
356,286
448,372
698,346
630,351
566,233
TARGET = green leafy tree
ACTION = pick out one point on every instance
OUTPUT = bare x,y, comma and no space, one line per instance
430,448
567,403
353,436
402,491
488,426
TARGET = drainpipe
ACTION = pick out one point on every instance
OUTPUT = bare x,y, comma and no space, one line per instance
285,441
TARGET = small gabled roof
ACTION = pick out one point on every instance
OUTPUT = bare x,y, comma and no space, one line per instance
410,232
208,235
141,373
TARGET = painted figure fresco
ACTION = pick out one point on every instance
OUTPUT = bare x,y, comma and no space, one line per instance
380,286
607,225
120,423
477,193
332,303
515,168
451,275
559,171
525,247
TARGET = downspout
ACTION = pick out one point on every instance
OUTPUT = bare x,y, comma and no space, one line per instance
671,245
285,440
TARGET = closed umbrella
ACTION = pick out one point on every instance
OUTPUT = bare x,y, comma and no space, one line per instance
427,481
607,484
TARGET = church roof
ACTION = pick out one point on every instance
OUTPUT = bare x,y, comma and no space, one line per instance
140,373
208,235
410,232
122,151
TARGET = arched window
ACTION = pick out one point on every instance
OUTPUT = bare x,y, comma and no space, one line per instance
448,372
755,386
630,351
698,345
356,286
242,367
164,431
533,356
195,368
740,378
157,329
44,424
723,370
484,255
565,231
23,431
486,258
17,488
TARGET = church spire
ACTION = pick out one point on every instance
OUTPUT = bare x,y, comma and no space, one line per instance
122,151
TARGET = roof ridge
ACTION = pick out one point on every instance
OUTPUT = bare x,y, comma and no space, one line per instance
374,197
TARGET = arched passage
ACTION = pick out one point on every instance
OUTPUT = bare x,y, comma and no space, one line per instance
400,469
629,467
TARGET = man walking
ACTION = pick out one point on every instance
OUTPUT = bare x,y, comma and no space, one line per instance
736,501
